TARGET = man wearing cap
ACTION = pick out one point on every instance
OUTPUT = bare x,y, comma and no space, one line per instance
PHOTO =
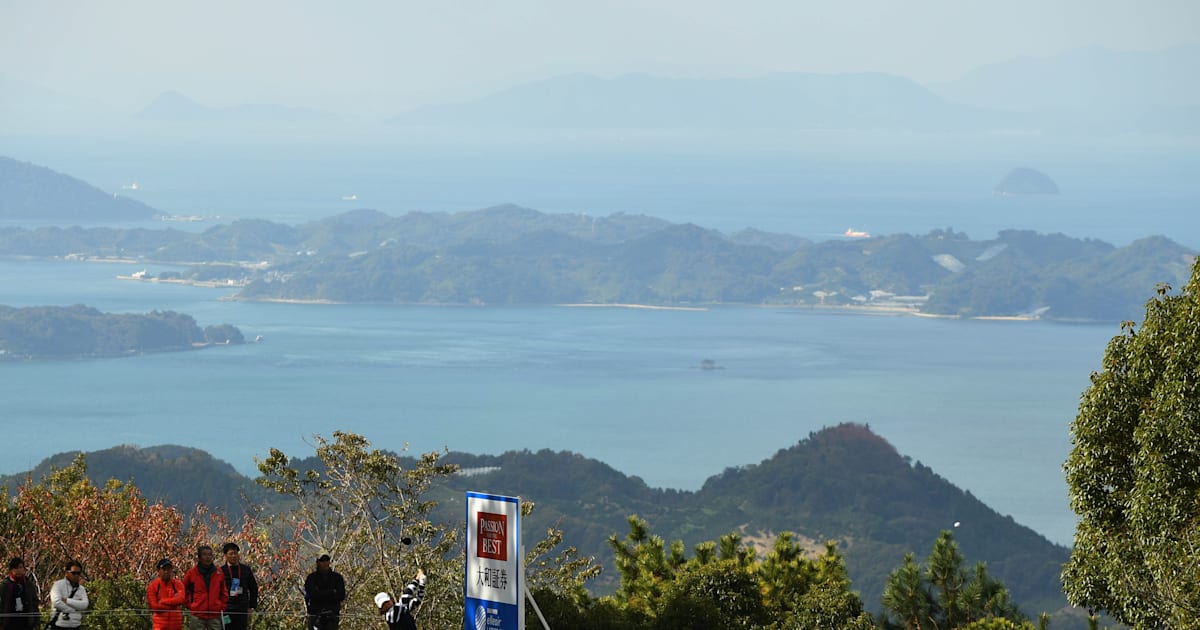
166,596
324,590
400,616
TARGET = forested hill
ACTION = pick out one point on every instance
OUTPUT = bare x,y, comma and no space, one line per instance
73,332
177,475
508,254
843,483
37,193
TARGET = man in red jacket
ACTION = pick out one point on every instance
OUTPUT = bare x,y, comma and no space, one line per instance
206,592
166,595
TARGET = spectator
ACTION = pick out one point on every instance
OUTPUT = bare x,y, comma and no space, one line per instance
243,588
206,592
324,590
166,596
18,599
68,598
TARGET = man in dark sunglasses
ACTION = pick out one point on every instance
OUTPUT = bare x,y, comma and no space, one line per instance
68,598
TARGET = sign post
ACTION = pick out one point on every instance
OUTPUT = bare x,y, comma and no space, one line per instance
493,583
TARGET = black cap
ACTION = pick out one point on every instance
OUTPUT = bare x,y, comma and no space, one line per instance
323,558
164,563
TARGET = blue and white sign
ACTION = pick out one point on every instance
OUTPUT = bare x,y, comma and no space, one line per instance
493,580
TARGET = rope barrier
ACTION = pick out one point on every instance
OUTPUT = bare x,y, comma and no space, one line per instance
147,612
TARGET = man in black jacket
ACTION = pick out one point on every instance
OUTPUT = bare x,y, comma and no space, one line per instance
324,590
18,599
243,588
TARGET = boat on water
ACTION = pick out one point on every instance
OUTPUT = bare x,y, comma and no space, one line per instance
350,198
853,233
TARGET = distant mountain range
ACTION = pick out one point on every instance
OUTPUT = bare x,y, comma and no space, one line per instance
1092,90
32,192
1091,82
843,483
778,101
1088,90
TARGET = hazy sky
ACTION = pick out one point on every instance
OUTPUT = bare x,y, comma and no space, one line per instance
390,55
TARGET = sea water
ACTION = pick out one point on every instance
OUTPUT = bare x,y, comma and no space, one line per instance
986,404
1116,193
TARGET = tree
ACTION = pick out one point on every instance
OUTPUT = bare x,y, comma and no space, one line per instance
726,585
1132,471
359,505
113,530
566,574
942,594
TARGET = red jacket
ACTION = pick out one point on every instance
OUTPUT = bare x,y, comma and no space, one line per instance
165,599
205,601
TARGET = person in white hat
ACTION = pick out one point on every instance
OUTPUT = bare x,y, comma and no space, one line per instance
400,616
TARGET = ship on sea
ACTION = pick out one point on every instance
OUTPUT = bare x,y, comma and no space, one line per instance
853,233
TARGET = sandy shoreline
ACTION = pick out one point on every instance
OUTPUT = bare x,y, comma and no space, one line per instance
210,284
234,298
649,307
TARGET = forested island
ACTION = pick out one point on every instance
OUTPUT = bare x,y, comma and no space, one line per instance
76,332
1026,181
514,255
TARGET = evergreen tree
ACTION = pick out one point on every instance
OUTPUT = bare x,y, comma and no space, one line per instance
942,594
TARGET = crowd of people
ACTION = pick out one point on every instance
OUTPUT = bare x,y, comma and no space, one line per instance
221,597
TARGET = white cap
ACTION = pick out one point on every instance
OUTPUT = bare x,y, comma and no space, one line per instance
380,598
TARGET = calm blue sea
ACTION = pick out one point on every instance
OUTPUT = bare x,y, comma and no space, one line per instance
985,404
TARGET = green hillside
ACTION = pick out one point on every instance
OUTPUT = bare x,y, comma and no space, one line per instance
843,483
176,475
37,193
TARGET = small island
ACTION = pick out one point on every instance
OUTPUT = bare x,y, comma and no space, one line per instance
1025,181
82,332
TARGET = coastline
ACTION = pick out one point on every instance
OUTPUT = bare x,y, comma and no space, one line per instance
235,298
649,307
210,284
861,309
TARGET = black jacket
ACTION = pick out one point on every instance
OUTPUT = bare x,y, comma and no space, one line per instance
10,591
324,592
248,598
